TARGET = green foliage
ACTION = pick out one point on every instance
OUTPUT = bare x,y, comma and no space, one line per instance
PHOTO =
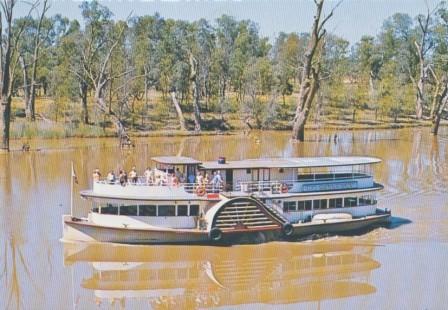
237,70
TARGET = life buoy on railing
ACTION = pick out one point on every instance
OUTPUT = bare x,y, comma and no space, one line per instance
200,191
284,188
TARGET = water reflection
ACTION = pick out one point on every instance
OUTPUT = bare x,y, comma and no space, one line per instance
35,192
202,277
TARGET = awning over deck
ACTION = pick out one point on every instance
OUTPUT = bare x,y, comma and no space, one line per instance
175,160
292,162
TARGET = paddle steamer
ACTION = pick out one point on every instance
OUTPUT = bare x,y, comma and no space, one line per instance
267,198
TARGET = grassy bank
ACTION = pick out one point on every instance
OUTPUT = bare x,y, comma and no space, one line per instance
161,120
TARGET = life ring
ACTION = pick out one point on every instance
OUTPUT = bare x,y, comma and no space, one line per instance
287,230
200,191
284,188
215,234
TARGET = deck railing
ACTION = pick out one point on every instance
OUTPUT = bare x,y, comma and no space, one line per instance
188,187
279,186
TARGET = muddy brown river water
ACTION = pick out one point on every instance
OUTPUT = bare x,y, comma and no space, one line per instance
401,266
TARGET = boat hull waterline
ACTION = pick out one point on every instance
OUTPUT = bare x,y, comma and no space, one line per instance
81,230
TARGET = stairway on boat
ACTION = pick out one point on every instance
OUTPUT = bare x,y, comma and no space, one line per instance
245,214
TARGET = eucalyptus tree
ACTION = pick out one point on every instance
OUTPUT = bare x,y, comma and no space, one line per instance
285,56
36,33
309,83
226,33
199,46
397,44
101,37
424,45
145,35
369,61
439,68
9,58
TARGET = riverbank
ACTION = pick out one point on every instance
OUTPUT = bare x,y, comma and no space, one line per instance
21,130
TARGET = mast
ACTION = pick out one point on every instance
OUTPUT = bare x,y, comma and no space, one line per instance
72,177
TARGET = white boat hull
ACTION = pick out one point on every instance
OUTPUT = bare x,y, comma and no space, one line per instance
340,226
82,230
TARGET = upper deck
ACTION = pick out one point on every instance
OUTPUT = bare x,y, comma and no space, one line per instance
276,177
292,162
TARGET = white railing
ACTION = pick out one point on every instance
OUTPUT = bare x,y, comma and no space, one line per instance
188,187
261,186
317,177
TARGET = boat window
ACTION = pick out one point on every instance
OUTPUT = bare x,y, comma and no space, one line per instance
167,210
148,210
248,171
308,204
323,203
320,204
128,210
182,210
300,205
194,210
96,210
335,203
109,209
350,202
338,202
289,206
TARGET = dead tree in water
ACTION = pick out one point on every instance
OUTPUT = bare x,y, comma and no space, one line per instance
422,47
310,75
440,100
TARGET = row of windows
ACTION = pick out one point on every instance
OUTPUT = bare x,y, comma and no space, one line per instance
150,210
318,204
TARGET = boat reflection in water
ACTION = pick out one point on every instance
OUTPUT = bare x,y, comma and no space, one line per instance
195,276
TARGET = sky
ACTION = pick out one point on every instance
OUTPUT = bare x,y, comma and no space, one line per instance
352,19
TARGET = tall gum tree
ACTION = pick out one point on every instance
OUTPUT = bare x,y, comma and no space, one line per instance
8,62
309,83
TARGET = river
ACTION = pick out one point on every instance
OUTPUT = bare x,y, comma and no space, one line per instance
401,266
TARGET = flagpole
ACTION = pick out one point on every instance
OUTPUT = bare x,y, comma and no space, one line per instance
71,190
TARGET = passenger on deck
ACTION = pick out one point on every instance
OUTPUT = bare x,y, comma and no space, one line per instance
96,175
217,181
110,177
200,179
123,178
179,175
206,179
158,180
133,175
191,178
149,176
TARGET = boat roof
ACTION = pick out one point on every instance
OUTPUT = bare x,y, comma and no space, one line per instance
175,160
292,162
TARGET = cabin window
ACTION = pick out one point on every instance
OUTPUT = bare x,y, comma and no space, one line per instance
167,210
148,210
248,171
109,209
128,210
96,210
320,204
335,203
194,210
182,210
350,202
281,170
289,206
301,205
308,205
